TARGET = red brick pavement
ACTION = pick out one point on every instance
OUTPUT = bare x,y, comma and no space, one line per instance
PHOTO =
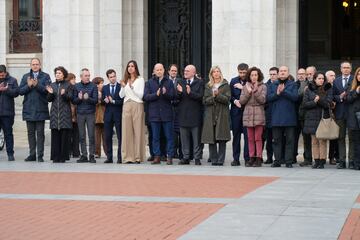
351,229
157,185
73,220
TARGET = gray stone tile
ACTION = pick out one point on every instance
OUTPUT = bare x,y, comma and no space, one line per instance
316,212
295,227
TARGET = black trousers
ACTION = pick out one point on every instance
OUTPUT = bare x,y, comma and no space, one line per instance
74,140
307,145
333,149
278,143
268,139
356,141
59,145
6,124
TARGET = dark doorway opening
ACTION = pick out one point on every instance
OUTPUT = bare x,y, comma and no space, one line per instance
180,33
329,32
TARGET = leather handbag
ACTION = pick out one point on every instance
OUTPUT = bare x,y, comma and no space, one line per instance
327,129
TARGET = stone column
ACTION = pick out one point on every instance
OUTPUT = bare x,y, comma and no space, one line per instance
111,37
71,35
243,31
134,34
287,34
5,16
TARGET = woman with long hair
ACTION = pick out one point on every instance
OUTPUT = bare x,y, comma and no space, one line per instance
216,127
353,98
60,94
317,103
253,97
133,123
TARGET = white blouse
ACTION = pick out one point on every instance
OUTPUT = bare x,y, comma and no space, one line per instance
135,93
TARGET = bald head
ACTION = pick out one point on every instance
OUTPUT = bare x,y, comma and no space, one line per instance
310,72
159,70
284,72
330,76
189,71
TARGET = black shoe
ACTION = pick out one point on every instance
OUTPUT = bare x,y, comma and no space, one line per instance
316,164
235,163
163,159
341,165
214,164
92,159
275,165
268,161
322,163
40,159
75,156
184,162
220,164
305,164
150,159
11,158
197,162
351,165
289,165
209,160
30,159
108,161
82,159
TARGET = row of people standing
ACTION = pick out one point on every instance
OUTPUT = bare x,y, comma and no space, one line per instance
202,113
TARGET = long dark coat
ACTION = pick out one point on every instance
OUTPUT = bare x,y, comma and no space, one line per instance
60,111
217,114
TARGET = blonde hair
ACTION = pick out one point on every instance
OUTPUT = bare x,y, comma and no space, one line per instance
355,83
211,79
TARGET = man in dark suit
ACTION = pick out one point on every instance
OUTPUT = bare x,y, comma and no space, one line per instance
236,114
35,108
159,92
173,72
8,91
341,84
190,92
112,115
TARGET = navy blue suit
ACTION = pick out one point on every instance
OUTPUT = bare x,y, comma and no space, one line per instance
341,110
112,116
236,115
341,105
160,113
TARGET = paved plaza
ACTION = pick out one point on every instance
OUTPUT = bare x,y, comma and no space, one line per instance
113,201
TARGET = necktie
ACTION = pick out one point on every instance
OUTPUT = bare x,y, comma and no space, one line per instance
36,75
112,90
345,81
188,81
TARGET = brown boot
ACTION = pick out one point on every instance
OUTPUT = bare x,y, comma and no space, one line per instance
156,160
169,161
258,162
251,162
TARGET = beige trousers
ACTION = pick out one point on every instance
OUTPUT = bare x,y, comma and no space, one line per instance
319,148
133,132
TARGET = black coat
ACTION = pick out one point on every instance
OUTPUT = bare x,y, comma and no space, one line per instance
353,99
190,109
314,111
7,105
60,111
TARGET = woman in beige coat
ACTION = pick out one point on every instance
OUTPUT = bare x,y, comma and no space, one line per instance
253,97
